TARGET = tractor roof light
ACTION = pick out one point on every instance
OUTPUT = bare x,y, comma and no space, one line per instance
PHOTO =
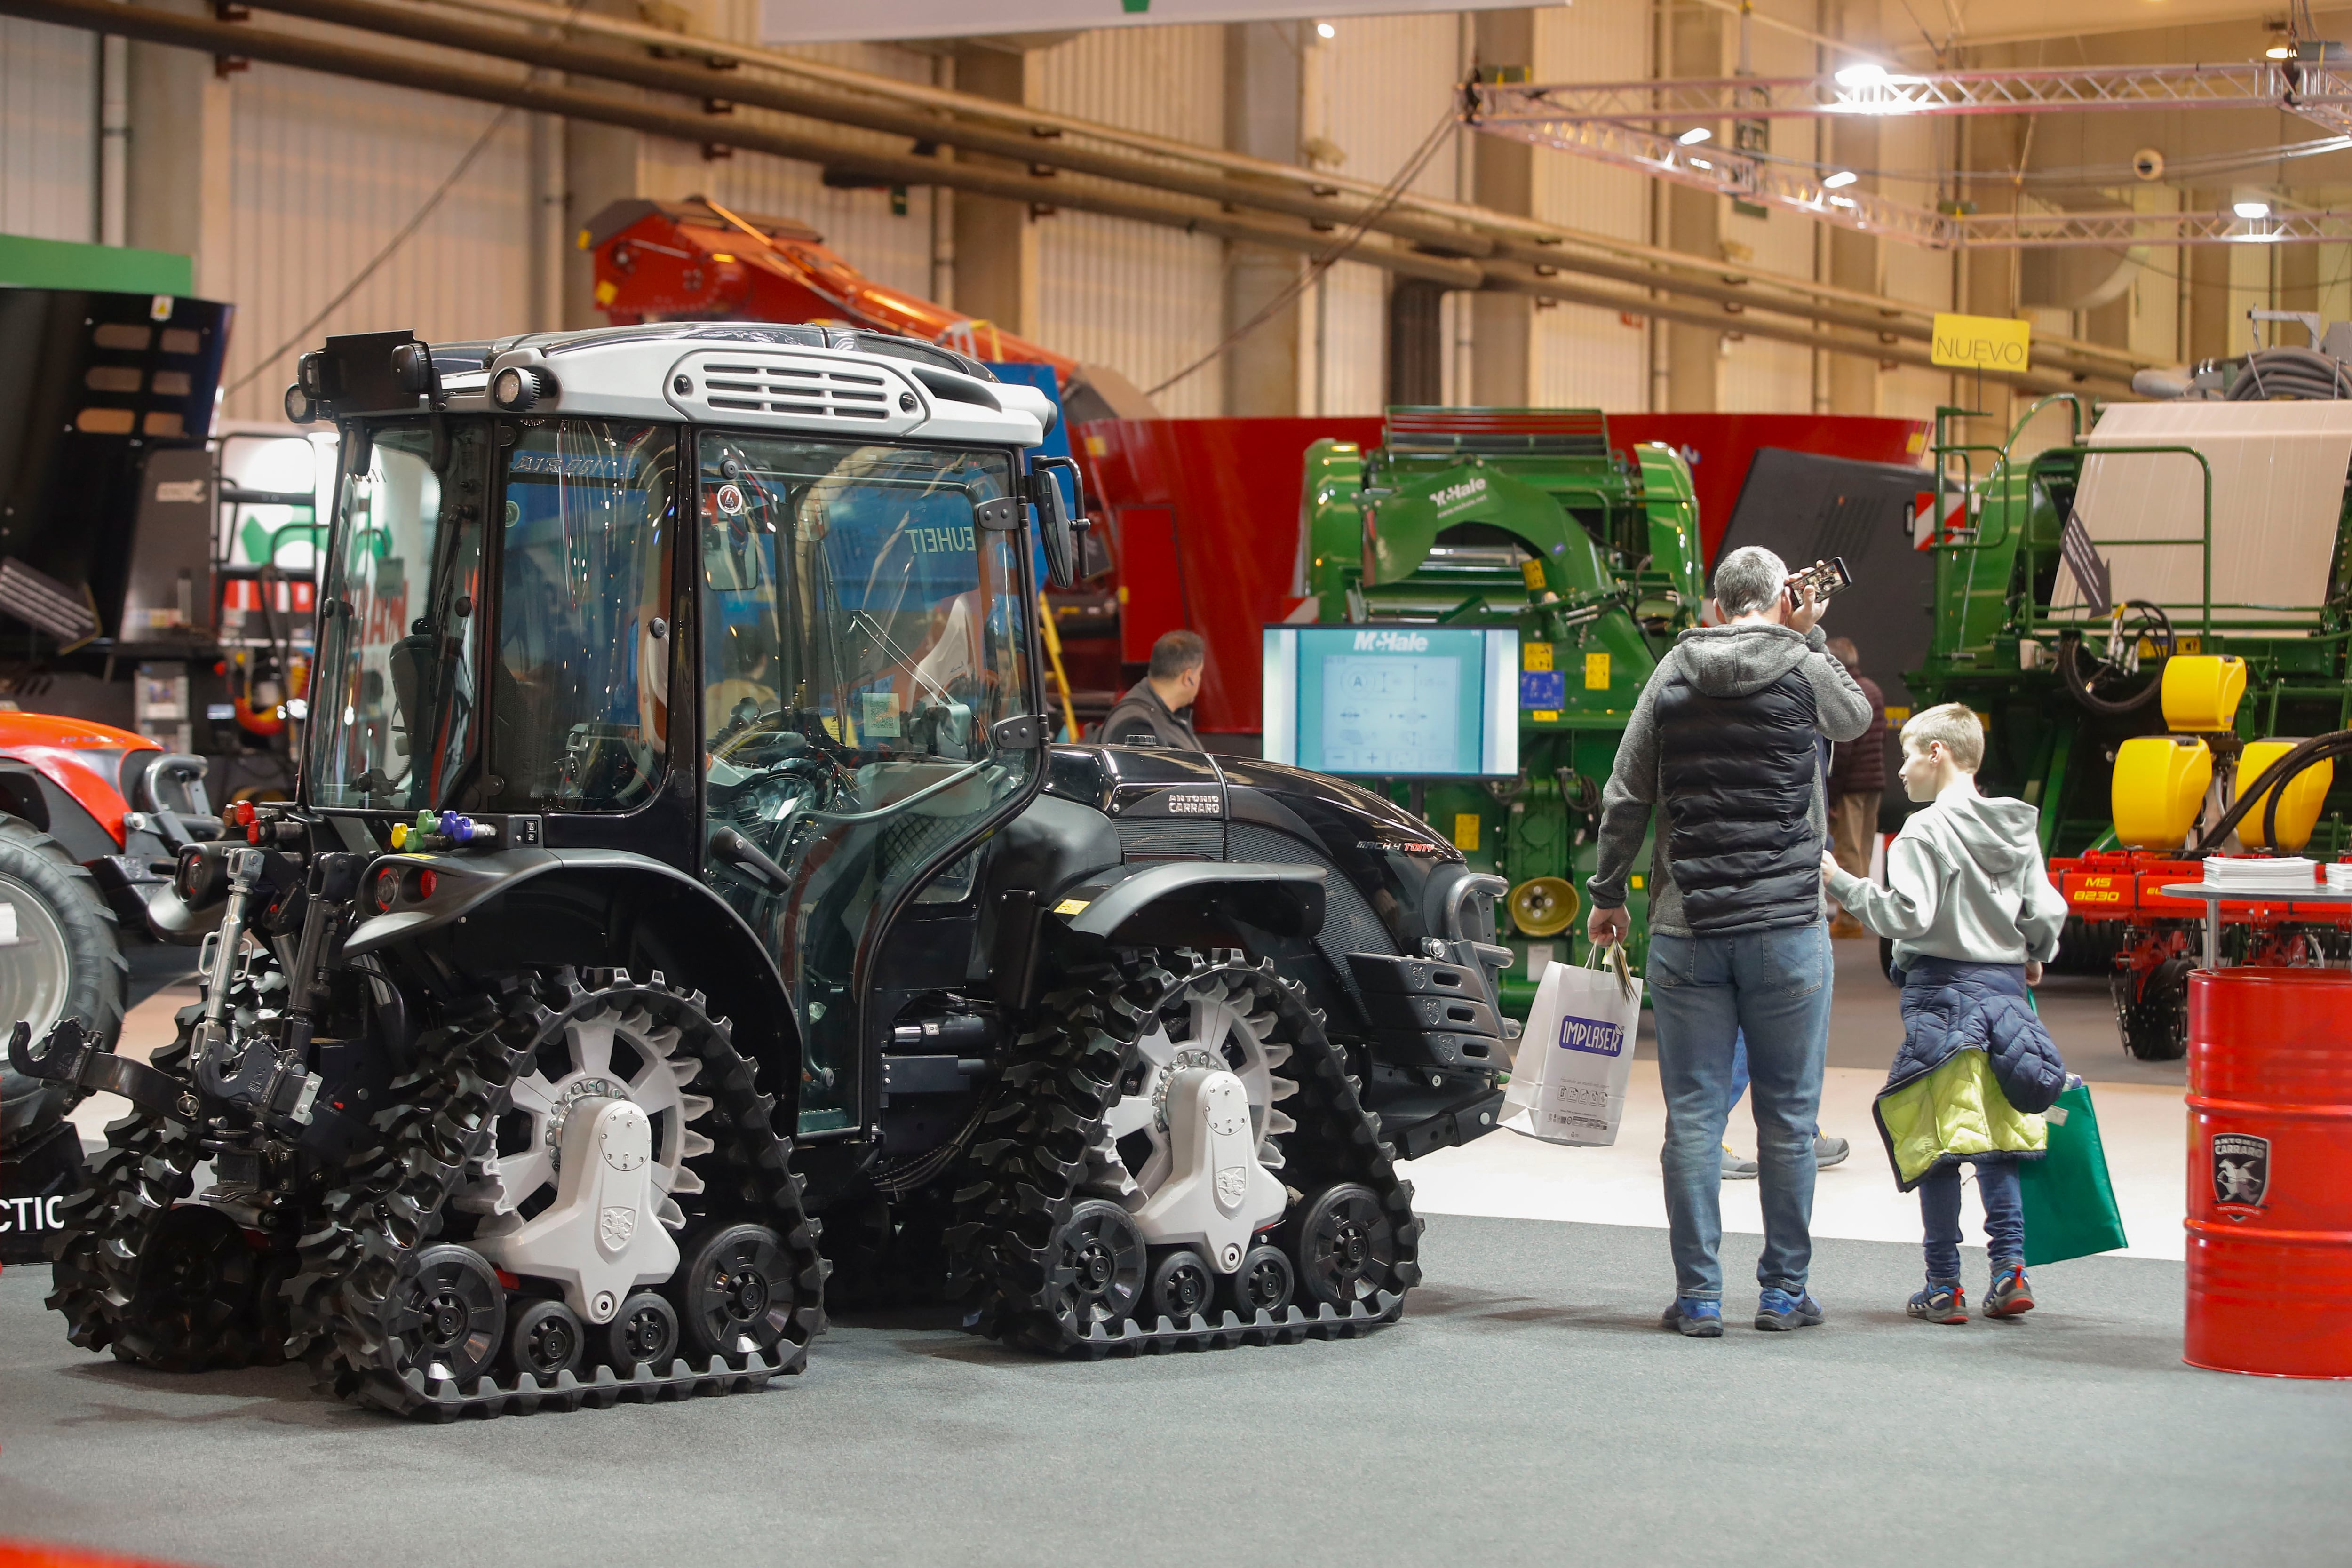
520,388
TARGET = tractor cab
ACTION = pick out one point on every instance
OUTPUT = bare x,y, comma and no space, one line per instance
754,602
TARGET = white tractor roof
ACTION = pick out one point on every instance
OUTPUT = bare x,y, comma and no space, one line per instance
808,380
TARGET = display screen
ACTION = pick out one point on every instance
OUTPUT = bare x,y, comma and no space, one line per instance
1393,701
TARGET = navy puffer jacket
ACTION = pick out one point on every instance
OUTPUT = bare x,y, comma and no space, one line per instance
1949,1006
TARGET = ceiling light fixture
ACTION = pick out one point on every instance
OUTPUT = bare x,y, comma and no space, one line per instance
1326,30
2252,209
1839,179
1695,135
1866,73
2279,52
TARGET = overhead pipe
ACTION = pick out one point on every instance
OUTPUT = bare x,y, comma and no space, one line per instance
1036,123
306,52
420,25
334,58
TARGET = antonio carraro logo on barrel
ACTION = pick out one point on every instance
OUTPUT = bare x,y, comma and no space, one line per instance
2242,1171
1595,1037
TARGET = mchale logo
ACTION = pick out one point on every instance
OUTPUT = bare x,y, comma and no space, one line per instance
1391,642
1592,1035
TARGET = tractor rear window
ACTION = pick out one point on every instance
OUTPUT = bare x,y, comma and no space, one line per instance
580,706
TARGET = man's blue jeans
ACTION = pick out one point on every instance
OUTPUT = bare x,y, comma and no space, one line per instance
2004,1216
1705,992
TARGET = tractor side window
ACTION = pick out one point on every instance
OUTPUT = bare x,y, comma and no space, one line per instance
580,719
395,695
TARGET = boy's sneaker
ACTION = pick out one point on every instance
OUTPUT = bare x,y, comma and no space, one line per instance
1777,1311
1943,1302
1695,1319
1828,1150
2012,1293
1736,1169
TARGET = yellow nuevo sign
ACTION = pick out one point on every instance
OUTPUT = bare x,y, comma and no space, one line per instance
1982,342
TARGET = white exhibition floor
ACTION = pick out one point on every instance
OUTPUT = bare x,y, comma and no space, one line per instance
1509,1176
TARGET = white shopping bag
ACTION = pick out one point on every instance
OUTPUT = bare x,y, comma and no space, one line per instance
1576,1055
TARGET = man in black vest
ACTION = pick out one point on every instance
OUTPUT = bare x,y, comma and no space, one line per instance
1723,748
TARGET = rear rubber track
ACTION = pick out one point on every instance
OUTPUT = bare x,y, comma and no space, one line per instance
1029,1166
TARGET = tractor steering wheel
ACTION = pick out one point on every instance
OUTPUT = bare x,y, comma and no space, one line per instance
2110,676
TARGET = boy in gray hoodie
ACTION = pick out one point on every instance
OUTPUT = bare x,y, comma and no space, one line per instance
1973,917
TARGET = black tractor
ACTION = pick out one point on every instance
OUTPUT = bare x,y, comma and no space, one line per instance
682,904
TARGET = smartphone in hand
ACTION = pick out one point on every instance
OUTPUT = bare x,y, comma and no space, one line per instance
1823,578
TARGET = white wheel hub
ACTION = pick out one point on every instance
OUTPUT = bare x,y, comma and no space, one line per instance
609,1128
1203,1098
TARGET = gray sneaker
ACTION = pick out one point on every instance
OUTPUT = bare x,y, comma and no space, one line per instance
1828,1151
1736,1169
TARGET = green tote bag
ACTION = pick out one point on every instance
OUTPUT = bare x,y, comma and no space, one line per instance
2070,1204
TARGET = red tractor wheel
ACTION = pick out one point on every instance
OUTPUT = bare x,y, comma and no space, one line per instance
59,955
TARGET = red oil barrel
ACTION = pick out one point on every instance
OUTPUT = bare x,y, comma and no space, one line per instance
2269,1172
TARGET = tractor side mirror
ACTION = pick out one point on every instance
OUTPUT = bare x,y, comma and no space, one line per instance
1057,531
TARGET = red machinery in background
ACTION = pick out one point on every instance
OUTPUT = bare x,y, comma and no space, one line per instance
1201,516
698,261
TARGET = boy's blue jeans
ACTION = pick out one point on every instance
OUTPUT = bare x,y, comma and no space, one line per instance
2004,1223
1706,991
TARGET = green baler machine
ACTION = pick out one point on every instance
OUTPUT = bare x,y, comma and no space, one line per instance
1486,518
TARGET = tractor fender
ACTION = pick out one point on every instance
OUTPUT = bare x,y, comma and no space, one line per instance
705,943
1158,903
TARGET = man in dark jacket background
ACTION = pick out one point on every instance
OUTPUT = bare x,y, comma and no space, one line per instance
1857,780
1723,751
1157,709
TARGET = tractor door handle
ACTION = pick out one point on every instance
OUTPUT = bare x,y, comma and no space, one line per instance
747,856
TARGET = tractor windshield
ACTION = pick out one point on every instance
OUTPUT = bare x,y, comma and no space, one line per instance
394,697
863,635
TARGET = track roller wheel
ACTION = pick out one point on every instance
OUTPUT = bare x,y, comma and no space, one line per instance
1097,1267
643,1333
734,1294
1343,1245
546,1340
450,1316
1181,1285
1264,1283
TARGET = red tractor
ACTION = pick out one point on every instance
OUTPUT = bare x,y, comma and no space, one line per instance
91,818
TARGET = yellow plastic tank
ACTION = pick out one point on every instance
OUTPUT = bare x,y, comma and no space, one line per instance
2298,807
2159,787
2202,692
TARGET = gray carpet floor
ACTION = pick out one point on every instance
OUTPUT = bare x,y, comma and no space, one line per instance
1527,1410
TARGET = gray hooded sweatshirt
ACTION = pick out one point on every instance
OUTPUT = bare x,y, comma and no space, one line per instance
1965,881
1722,661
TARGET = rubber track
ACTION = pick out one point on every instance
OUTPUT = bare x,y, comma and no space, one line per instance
110,1223
447,1119
1029,1166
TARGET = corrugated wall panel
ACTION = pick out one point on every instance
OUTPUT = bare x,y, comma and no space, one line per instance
324,171
1167,81
1587,357
1353,332
1375,93
48,131
1591,358
1147,302
1142,299
1386,81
